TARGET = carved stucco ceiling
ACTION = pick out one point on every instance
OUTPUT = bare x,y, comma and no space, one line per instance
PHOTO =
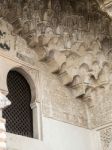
69,36
106,6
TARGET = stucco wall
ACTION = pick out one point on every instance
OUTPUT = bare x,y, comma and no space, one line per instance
62,136
57,100
57,135
16,142
59,103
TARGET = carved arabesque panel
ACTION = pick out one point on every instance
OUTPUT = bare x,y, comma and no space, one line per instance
106,138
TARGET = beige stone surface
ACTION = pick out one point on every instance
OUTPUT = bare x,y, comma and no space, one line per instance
64,51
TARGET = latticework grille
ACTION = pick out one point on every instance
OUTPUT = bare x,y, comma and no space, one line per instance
19,114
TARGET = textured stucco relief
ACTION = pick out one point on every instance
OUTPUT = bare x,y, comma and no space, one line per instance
73,42
106,138
98,95
58,103
106,6
51,26
17,46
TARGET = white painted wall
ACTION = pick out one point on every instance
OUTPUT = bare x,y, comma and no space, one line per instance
56,136
16,142
63,136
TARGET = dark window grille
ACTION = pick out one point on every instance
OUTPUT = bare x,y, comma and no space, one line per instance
19,114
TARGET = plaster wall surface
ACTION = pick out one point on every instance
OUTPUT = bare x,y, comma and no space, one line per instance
16,142
57,135
62,136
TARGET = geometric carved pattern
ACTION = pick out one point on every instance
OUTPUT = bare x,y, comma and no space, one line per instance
19,115
106,137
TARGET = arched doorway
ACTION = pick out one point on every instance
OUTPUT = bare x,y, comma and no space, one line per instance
19,114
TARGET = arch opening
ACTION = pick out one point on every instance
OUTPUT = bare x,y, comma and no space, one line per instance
19,114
